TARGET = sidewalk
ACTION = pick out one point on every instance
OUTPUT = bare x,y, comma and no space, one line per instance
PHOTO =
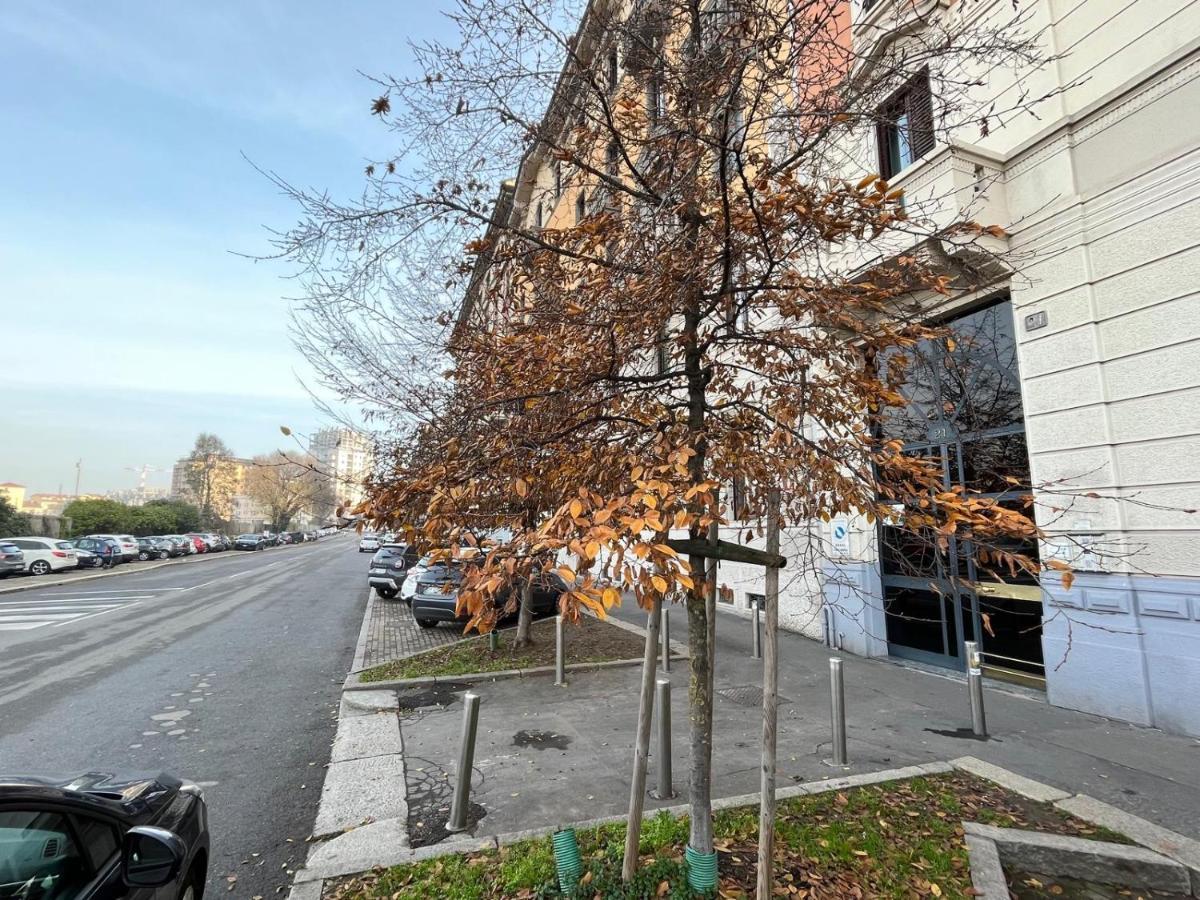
549,755
390,632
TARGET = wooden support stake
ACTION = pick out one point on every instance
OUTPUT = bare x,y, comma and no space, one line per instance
766,813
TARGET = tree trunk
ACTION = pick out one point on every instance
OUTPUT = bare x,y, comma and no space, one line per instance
766,810
524,637
701,645
637,788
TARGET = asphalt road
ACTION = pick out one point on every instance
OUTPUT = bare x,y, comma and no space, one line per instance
225,671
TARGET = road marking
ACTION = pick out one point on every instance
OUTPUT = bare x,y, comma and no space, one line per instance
27,601
20,626
125,591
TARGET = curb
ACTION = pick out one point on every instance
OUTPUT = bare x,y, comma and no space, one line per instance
353,684
360,648
1176,847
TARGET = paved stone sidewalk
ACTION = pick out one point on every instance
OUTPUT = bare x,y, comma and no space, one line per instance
392,633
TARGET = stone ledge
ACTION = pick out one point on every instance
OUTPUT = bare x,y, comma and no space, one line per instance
1026,787
352,684
361,790
1183,850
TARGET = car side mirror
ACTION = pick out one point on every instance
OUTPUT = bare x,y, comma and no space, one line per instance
151,857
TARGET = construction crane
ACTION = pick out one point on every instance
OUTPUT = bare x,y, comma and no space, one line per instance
143,471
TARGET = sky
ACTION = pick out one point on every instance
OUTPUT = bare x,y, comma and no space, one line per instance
128,321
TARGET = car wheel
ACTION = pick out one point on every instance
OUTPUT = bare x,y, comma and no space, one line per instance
39,567
163,554
143,556
427,623
385,593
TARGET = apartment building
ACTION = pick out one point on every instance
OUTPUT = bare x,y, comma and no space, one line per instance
347,457
1068,374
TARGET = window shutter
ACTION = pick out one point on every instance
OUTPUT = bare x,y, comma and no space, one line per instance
920,115
881,147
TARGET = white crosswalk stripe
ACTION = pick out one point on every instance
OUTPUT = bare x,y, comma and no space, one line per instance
27,613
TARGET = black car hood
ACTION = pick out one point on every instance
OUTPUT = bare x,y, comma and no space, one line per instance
137,799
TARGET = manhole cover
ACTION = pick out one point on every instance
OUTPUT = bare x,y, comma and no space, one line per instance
747,695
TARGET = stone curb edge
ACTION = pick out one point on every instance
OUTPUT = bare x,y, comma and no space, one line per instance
1174,846
353,684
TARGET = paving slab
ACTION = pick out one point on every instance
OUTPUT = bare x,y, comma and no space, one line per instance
359,790
359,737
382,843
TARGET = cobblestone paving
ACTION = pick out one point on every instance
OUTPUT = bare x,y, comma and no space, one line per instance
394,634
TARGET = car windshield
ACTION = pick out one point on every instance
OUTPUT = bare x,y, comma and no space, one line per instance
251,537
65,545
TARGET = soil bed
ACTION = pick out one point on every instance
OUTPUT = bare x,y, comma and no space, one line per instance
902,839
588,642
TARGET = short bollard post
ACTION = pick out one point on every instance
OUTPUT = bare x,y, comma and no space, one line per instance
666,640
975,688
756,640
665,789
466,762
560,654
493,640
837,698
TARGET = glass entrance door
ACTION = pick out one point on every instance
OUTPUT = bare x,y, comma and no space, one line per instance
965,413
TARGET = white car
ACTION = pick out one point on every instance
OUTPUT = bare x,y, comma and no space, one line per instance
43,555
409,587
368,543
128,543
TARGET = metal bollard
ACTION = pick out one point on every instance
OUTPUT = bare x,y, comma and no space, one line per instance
975,688
665,789
466,762
560,654
837,698
493,640
665,628
756,640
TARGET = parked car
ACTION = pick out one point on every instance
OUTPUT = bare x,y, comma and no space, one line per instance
127,543
104,552
436,596
43,555
249,542
84,559
102,837
285,537
12,559
154,548
198,542
187,545
177,544
389,568
270,538
224,541
298,537
409,587
368,543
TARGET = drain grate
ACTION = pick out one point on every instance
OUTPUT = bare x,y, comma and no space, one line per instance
747,695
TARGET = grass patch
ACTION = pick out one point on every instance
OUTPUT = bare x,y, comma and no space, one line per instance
902,839
588,642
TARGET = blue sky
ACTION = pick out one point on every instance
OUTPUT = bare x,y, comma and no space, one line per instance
127,321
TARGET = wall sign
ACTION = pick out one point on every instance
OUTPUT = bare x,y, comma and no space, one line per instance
1036,320
840,532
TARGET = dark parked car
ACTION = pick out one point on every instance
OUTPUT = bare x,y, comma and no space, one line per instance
105,552
270,539
249,542
154,548
12,559
437,593
389,567
101,837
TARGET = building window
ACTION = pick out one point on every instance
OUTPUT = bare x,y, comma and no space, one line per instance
557,180
613,69
904,132
753,600
580,206
661,351
732,138
654,100
737,499
537,220
612,158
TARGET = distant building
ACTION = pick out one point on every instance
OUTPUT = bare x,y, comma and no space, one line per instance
14,493
347,457
233,471
138,496
49,504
